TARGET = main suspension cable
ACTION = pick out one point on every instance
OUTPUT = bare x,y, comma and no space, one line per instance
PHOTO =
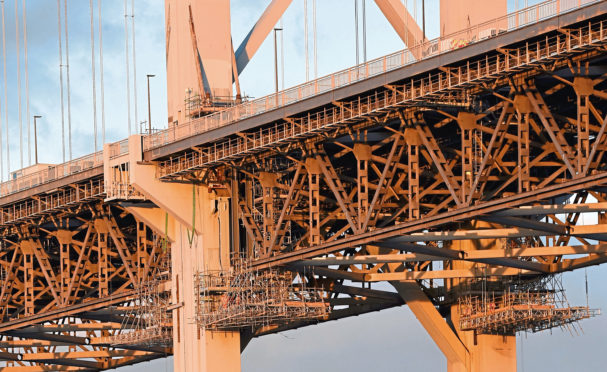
27,87
18,53
101,75
61,79
67,71
93,74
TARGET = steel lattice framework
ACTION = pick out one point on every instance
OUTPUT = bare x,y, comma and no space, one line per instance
505,143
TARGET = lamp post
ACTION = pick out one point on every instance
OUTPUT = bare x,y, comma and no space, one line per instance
36,117
149,107
276,62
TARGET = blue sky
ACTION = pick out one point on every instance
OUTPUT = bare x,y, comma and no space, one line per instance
391,340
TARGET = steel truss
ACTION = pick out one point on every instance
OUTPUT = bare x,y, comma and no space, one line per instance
378,186
71,279
506,146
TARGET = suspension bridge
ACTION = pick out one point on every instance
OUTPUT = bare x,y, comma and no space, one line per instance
457,171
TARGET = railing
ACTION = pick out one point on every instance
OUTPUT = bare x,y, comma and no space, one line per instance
525,56
59,171
119,148
52,173
375,67
47,203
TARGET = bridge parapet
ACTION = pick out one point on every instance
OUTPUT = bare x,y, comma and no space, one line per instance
390,62
116,172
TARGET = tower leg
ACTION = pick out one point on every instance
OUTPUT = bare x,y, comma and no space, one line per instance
197,223
487,352
465,351
196,349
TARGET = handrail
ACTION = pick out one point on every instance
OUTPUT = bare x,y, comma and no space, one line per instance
52,173
119,148
431,48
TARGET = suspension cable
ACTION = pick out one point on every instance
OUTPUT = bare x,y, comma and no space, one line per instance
314,39
128,78
364,31
101,75
306,39
18,48
93,74
134,64
356,32
67,71
27,87
61,79
8,153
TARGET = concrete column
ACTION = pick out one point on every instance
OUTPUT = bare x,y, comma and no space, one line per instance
487,352
196,349
197,222
464,351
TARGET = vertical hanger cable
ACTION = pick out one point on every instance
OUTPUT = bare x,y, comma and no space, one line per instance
101,74
61,79
306,40
67,73
27,87
134,64
93,72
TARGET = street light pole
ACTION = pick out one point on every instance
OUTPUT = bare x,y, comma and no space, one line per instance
149,107
276,61
36,137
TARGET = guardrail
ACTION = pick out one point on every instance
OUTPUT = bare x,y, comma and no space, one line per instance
52,173
119,148
52,201
377,66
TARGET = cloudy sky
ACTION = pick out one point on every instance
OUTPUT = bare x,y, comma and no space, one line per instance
391,340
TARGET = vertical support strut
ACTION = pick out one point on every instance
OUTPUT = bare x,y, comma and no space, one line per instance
523,109
28,275
142,252
102,258
583,87
467,124
413,142
523,152
314,195
362,152
247,203
268,185
65,239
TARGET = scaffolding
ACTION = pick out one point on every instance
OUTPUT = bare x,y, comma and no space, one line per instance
530,306
150,321
243,297
197,105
